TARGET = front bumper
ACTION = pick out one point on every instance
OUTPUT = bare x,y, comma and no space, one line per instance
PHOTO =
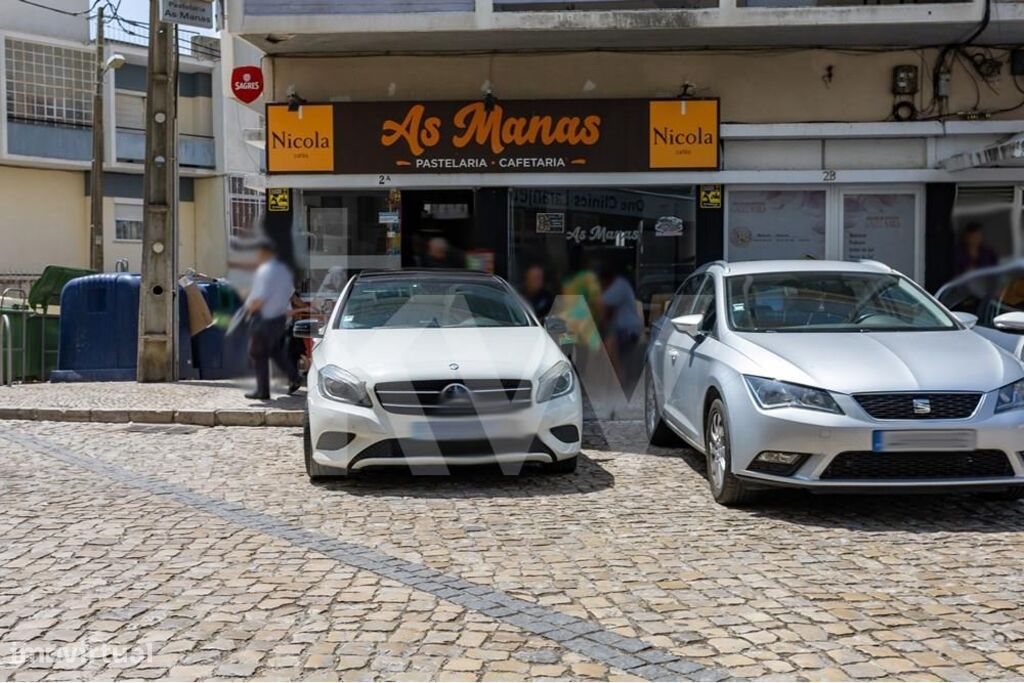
351,438
823,438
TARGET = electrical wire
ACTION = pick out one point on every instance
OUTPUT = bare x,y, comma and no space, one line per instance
58,10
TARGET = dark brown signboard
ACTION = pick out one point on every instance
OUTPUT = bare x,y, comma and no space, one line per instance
518,136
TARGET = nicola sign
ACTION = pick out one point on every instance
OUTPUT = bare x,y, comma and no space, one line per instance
247,83
516,136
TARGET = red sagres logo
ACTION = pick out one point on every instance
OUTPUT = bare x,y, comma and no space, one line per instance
247,83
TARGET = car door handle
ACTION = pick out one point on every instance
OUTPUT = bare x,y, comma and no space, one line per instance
674,356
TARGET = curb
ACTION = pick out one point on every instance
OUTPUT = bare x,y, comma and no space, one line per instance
253,417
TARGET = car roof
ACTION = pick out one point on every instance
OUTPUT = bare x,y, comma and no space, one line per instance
798,266
428,274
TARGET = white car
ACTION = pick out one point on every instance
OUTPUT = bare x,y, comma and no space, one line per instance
427,369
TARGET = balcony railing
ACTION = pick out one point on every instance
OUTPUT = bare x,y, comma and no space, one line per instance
195,151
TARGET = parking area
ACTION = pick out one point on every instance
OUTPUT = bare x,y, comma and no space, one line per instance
187,552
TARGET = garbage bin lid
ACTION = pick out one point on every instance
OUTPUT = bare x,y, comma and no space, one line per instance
51,282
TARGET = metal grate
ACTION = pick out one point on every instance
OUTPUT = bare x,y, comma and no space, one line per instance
454,397
936,406
865,465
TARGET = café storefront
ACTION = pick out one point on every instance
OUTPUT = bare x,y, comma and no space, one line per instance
363,188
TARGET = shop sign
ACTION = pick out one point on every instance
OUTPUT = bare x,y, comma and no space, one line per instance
551,223
198,13
511,136
301,141
388,218
711,196
247,83
279,199
601,234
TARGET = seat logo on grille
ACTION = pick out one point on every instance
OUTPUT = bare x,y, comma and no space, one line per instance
922,406
456,394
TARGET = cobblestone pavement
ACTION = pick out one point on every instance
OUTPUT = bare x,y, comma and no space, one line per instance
205,552
191,395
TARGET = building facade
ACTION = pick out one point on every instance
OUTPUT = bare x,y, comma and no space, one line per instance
47,77
836,130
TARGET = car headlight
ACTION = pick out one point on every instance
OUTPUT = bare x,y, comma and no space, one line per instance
1011,397
770,393
558,381
339,385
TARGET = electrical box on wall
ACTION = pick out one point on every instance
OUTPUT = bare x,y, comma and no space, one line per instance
904,79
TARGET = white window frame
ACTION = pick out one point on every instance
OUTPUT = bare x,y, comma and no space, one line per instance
258,199
125,202
834,193
79,91
829,219
118,123
919,224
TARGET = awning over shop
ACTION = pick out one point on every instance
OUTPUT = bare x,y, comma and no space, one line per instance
1009,152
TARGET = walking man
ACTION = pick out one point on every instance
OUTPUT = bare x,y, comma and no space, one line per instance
268,305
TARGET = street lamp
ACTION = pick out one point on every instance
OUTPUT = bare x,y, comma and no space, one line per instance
115,61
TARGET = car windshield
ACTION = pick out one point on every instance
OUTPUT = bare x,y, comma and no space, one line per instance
430,302
831,302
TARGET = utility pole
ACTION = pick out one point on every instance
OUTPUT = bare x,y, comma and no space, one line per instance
96,184
158,305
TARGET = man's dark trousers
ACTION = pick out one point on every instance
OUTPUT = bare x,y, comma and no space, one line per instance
266,342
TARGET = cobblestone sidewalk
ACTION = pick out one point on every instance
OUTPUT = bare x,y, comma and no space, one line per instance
189,552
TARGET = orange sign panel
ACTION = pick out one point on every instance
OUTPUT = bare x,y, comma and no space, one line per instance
300,141
683,134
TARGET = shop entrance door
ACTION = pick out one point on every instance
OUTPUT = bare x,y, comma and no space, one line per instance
437,228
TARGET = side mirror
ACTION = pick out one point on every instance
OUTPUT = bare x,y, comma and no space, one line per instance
968,320
1010,322
556,327
307,329
688,324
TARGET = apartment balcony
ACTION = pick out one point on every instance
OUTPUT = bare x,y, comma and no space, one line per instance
303,27
194,151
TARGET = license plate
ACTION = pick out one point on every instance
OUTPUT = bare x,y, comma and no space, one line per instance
449,430
924,440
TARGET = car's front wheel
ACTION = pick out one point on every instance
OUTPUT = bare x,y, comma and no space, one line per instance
314,470
567,466
658,433
726,488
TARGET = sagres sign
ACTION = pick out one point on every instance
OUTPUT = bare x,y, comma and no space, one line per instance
517,136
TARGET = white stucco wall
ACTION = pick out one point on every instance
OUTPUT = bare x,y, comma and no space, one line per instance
45,219
23,18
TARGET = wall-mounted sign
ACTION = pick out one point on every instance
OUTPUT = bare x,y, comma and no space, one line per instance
549,223
197,13
711,196
301,141
247,83
513,136
279,199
